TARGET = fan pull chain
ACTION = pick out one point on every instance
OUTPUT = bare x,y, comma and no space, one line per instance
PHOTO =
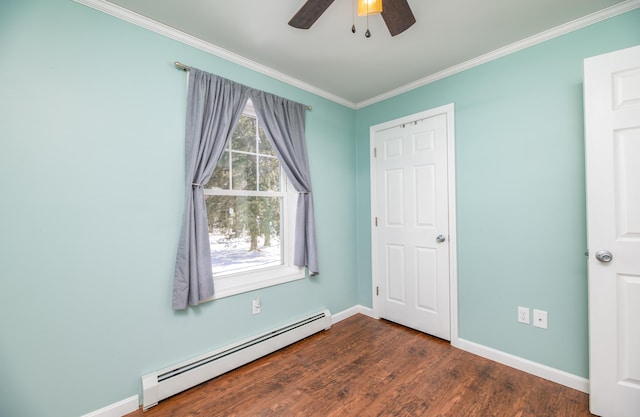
367,34
353,16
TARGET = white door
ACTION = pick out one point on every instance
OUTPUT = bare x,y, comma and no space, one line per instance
612,123
410,208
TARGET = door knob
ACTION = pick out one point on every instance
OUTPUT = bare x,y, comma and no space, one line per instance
604,256
440,238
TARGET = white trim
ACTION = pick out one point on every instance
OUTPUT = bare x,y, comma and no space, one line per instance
525,365
172,33
254,280
449,110
357,309
118,409
453,229
175,34
569,27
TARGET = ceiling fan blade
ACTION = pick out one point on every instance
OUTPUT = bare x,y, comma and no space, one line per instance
397,15
309,13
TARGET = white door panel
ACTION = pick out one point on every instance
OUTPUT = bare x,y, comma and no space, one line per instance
612,127
395,260
627,174
410,181
427,291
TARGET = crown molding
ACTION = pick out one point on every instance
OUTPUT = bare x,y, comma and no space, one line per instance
172,33
175,34
574,25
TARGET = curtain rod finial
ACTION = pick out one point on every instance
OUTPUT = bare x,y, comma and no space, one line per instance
180,65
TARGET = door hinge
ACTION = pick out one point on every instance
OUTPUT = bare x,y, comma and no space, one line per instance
375,152
376,222
377,290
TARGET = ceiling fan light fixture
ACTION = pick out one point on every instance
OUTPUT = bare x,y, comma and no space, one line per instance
397,14
369,7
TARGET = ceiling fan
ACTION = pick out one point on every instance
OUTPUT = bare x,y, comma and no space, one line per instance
397,15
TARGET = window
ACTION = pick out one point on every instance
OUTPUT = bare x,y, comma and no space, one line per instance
251,213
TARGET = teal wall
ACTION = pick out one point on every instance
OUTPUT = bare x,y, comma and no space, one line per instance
520,192
91,173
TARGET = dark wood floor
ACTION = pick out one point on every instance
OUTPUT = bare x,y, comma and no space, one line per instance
368,367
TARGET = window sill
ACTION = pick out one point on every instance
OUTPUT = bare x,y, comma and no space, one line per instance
226,286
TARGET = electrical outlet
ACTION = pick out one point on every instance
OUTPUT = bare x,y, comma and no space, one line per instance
540,318
523,315
256,304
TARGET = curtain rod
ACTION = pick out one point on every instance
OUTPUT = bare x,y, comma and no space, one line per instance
187,68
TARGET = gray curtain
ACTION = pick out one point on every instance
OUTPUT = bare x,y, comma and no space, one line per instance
214,106
283,122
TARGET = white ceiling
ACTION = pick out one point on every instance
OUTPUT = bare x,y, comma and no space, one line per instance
350,67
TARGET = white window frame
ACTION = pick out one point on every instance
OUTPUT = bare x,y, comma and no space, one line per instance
228,284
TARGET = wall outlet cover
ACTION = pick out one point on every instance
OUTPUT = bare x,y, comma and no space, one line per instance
523,315
540,318
256,304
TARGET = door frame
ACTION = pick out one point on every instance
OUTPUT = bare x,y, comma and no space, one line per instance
449,110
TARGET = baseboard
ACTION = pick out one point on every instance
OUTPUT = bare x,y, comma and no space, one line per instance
525,365
118,409
357,309
131,404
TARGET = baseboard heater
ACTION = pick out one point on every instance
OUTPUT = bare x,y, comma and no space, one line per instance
166,382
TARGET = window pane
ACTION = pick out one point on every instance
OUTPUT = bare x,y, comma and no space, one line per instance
220,176
244,232
244,135
244,173
265,146
269,174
